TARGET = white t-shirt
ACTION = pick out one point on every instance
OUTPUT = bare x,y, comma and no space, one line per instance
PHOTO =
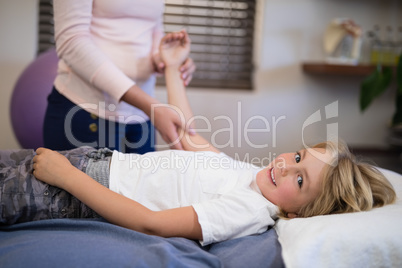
222,191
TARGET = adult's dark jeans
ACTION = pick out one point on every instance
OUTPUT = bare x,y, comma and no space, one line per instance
86,129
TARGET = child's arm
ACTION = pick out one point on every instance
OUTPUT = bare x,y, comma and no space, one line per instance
54,169
174,49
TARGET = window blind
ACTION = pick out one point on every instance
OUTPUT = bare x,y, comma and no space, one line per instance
46,26
221,32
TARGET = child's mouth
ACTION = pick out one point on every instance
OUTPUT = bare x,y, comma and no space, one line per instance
273,176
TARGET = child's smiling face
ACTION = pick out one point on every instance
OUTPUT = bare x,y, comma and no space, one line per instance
293,180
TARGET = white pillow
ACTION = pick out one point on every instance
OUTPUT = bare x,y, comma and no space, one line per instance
363,239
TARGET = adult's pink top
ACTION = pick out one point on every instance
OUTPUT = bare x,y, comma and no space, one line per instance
105,47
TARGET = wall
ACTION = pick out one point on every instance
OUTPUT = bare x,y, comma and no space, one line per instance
289,32
18,27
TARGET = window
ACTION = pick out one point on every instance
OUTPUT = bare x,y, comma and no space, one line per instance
221,32
45,27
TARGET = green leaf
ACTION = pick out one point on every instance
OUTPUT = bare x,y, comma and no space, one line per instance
373,85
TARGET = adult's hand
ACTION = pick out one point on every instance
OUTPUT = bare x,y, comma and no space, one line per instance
187,70
167,121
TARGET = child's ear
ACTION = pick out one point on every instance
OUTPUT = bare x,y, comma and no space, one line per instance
292,215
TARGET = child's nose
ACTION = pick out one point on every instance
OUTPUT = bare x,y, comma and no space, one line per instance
286,169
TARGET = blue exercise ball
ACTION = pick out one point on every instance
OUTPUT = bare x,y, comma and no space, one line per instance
29,99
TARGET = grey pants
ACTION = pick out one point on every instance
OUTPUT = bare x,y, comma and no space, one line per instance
24,198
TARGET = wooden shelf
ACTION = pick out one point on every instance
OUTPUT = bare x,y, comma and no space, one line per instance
388,158
335,69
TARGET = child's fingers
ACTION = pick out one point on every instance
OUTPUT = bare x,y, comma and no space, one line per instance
186,37
166,38
39,153
174,36
40,150
179,35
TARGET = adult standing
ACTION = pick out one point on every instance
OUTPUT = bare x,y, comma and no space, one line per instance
103,92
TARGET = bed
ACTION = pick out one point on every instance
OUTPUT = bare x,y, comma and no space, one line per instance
367,239
95,243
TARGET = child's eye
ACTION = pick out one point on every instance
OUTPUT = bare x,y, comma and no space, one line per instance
297,157
300,181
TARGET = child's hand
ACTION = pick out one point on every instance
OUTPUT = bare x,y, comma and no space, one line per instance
51,167
174,48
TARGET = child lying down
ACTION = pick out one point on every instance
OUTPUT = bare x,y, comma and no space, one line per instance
199,193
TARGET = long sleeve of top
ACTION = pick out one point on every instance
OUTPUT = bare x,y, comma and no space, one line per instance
105,47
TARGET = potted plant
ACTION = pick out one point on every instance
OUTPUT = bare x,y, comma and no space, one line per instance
378,82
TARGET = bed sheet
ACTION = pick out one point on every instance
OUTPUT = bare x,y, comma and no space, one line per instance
96,243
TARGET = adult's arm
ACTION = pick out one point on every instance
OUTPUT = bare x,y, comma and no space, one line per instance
79,52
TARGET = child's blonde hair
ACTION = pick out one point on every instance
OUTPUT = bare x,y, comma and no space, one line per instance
348,185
